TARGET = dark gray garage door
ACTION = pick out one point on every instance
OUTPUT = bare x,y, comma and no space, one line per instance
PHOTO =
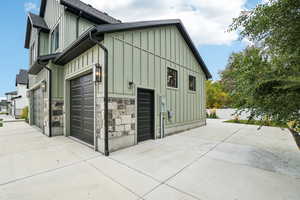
145,115
82,108
38,109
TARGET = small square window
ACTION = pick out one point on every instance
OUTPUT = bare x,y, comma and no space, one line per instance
192,83
172,78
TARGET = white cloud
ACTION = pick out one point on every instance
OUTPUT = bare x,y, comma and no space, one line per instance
206,20
29,7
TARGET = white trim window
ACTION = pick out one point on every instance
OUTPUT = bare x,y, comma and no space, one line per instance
32,53
172,77
192,83
55,39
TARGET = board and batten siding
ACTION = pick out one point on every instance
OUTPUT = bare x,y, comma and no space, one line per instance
83,62
57,81
70,24
54,15
143,56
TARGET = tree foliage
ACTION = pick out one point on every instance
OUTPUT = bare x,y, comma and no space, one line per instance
265,79
216,97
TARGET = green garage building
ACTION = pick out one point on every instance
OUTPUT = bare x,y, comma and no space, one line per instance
110,84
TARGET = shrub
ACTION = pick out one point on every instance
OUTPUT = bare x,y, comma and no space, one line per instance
24,114
212,114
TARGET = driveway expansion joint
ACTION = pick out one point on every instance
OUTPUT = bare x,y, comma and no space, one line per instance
47,171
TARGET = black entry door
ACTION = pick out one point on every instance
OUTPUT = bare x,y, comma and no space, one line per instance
145,115
82,108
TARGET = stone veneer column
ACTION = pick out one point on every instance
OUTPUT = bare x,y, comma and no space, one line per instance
99,116
57,117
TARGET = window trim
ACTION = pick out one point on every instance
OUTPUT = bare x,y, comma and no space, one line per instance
53,40
195,83
171,87
32,53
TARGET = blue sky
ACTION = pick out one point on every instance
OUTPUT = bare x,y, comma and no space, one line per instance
14,57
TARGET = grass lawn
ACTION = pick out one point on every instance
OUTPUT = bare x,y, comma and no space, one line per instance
1,122
257,122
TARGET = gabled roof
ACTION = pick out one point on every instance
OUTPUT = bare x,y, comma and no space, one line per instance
36,22
87,11
22,77
84,43
75,6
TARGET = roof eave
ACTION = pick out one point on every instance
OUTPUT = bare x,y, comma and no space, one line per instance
37,67
83,43
76,48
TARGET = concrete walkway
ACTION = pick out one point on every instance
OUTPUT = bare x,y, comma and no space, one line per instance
218,161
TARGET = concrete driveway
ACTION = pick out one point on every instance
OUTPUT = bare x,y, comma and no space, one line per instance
218,161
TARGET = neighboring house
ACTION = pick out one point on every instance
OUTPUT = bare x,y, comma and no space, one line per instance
10,106
110,84
3,106
20,100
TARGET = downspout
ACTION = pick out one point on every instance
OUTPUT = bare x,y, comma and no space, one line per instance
50,95
106,149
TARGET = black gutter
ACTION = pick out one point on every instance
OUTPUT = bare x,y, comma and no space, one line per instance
50,95
106,149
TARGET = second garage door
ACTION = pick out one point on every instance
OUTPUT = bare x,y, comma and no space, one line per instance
38,109
82,108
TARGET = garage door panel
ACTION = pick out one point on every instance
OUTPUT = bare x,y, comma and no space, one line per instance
38,111
82,109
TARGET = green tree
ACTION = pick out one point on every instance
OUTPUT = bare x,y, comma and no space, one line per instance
216,97
265,78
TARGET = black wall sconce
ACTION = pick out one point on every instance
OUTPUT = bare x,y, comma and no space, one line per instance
130,84
44,86
98,73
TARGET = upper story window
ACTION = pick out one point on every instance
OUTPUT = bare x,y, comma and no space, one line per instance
55,39
32,53
172,78
192,83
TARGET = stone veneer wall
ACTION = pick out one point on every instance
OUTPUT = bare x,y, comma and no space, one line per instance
121,121
121,117
99,116
57,117
46,114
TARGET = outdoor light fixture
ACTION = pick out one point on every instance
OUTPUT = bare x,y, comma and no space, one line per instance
43,86
97,73
130,84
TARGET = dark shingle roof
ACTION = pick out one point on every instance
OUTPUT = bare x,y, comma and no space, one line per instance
37,21
11,93
22,77
89,11
84,43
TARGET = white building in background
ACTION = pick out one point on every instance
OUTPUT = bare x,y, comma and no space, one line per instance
18,99
9,97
